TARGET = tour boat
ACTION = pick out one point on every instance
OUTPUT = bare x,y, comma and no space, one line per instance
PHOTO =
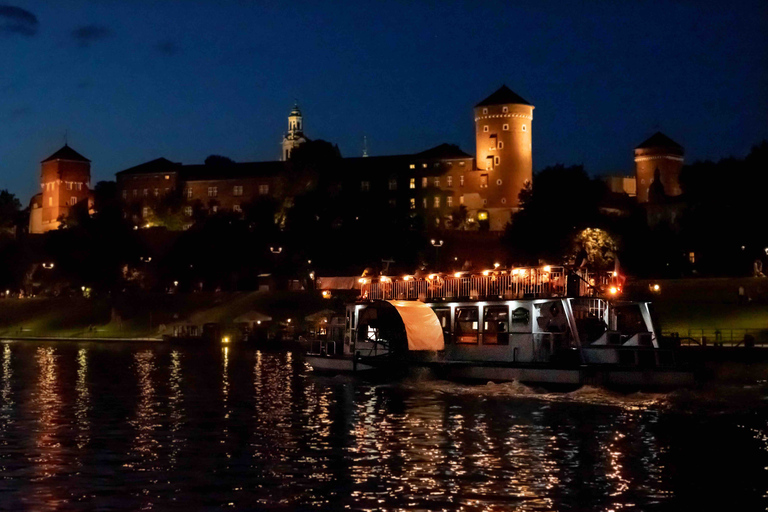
545,325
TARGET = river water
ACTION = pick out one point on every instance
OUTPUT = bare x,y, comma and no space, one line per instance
121,426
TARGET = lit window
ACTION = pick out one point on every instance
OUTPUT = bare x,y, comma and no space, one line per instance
413,203
189,193
213,192
424,182
236,208
392,184
186,226
505,127
461,199
482,215
237,190
437,182
449,181
485,128
483,181
214,208
449,201
413,166
157,192
413,183
461,163
505,109
501,144
437,202
461,181
485,111
263,189
424,202
167,177
145,212
424,166
365,186
524,128
188,211
496,160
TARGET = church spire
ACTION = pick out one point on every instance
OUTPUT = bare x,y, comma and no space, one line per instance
295,135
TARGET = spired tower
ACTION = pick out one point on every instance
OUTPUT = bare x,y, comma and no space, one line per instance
65,178
295,136
662,154
504,152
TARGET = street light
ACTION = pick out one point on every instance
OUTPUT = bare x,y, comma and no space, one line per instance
276,250
48,266
437,244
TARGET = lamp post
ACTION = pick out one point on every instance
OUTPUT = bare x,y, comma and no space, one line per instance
437,244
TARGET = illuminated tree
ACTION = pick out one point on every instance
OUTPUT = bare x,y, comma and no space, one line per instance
596,247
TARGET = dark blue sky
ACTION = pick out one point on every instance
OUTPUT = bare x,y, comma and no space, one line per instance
132,81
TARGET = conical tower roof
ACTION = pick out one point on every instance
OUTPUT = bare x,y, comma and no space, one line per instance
659,140
503,96
66,153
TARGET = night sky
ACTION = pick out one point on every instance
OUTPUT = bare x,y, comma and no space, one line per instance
132,81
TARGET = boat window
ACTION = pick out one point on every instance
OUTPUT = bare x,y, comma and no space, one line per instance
467,320
551,317
444,317
629,320
496,325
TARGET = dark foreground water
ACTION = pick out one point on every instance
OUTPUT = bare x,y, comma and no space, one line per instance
116,426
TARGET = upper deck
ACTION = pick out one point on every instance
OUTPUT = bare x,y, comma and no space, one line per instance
516,283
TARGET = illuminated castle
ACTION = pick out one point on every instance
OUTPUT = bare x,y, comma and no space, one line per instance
65,178
503,144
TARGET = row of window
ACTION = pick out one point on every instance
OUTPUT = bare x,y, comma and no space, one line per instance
437,164
70,185
72,201
365,185
503,109
237,191
504,127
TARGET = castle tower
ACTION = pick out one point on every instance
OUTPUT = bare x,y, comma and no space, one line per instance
504,160
295,135
65,178
661,153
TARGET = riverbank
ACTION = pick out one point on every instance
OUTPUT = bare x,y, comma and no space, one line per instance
145,316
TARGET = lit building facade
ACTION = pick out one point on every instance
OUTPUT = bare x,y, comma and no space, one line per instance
434,183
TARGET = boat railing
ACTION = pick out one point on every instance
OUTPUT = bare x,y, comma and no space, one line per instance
528,282
322,347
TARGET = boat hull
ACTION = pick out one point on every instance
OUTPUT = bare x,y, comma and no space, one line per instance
336,364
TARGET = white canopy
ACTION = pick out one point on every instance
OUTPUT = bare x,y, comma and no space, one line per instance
421,325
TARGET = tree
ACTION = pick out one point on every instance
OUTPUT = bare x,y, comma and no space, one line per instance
596,247
561,202
9,211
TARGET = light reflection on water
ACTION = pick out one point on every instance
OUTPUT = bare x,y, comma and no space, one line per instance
88,426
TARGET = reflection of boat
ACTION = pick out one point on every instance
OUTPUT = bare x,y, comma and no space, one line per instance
541,325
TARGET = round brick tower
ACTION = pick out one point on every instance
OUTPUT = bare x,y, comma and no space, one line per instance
662,153
66,179
504,160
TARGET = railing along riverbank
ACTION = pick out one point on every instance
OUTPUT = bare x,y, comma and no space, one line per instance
721,337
